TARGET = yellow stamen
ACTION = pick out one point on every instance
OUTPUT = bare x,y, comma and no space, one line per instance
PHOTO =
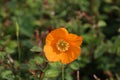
62,45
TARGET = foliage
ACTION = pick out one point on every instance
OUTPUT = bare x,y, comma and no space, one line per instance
97,21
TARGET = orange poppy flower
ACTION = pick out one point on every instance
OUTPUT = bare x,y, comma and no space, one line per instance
62,46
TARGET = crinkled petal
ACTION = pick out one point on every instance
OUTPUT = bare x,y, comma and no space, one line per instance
59,33
49,39
74,39
51,55
70,55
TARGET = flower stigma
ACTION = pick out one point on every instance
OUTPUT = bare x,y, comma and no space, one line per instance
62,45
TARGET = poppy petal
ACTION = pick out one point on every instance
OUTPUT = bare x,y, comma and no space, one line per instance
50,54
74,52
59,33
74,39
49,39
70,55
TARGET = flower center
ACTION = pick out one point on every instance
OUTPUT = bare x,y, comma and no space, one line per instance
62,45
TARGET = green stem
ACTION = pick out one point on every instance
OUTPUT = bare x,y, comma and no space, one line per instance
63,71
18,43
17,35
19,53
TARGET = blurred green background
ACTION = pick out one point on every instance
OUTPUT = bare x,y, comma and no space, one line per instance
97,21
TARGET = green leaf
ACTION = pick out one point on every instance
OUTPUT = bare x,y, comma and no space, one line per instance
36,49
101,23
24,67
88,38
2,55
39,60
11,47
55,65
9,50
51,73
7,75
32,65
74,65
100,51
68,77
